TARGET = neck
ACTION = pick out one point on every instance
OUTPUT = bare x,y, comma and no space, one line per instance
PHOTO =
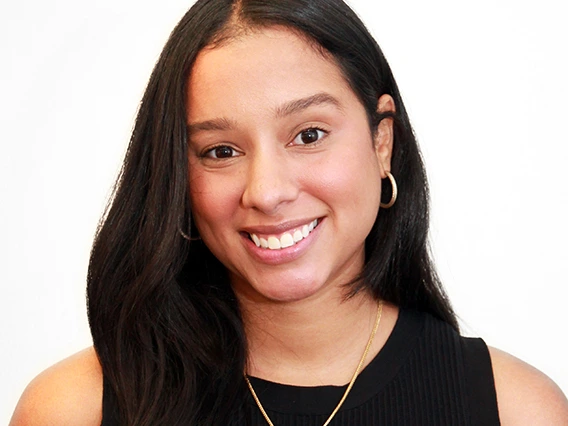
316,341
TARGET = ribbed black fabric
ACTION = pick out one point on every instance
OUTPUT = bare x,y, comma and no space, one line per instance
426,374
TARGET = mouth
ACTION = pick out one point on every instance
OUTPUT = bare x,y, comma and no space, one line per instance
284,240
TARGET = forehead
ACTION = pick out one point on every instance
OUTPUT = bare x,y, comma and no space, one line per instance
265,67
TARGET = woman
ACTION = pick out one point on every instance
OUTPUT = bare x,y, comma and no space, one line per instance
267,242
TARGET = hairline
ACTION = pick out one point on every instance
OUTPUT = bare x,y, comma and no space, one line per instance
237,28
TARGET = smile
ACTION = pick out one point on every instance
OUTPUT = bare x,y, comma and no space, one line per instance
287,239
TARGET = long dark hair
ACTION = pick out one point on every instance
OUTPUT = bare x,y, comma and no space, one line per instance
165,322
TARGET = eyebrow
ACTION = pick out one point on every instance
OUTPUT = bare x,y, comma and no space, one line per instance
289,108
215,124
299,105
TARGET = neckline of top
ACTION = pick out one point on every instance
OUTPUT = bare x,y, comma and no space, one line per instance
319,400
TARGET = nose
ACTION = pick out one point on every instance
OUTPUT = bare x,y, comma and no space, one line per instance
270,182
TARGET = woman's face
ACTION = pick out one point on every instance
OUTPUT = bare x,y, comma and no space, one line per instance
284,176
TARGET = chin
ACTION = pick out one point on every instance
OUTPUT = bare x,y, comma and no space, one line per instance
280,289
289,295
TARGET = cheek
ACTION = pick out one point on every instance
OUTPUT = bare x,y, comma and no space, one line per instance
349,182
213,203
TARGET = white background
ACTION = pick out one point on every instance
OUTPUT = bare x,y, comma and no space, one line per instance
486,87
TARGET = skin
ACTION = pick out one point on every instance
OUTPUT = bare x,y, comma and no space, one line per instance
266,182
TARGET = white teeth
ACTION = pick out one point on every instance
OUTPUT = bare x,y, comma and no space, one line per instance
274,243
286,240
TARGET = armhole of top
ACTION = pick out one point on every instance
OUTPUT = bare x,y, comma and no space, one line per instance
480,382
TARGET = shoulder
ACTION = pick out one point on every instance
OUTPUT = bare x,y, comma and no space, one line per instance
526,396
69,393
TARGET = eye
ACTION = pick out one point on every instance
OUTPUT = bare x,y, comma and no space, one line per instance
309,136
222,151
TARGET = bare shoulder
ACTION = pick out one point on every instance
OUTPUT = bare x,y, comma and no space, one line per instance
525,395
68,393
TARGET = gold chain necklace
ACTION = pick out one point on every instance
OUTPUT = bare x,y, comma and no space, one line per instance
351,383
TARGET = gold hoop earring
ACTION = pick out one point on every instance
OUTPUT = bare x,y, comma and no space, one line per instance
187,237
394,192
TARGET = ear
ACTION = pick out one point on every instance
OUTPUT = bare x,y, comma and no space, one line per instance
384,138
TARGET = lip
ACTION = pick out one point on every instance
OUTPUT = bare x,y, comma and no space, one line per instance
283,255
277,228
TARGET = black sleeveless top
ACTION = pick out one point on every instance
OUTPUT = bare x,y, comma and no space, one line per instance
426,374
